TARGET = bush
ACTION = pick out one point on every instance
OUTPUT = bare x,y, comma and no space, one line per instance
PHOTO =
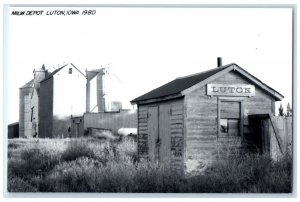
88,175
151,178
73,176
16,184
34,159
249,173
77,148
91,165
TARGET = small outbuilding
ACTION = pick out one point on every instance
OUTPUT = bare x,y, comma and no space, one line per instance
194,120
13,130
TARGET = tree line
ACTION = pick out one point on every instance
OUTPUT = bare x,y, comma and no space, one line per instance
288,110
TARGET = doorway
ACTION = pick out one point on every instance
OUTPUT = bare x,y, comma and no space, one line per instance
159,133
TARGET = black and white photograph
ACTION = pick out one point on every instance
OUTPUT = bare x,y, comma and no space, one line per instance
156,98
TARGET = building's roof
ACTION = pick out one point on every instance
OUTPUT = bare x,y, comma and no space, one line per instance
178,85
57,70
13,124
53,73
28,84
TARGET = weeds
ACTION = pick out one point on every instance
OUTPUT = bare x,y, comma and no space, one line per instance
77,148
91,165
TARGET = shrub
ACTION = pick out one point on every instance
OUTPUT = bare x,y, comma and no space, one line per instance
91,165
153,178
33,160
73,176
17,184
77,148
249,173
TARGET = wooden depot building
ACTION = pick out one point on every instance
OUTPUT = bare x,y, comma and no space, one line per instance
192,120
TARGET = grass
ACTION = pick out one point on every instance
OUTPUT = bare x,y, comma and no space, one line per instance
91,165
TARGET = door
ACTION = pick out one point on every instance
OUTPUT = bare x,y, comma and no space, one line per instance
264,140
153,133
164,141
159,133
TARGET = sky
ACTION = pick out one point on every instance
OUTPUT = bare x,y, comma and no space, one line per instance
148,47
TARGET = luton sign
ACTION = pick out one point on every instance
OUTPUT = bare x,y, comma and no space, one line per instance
230,90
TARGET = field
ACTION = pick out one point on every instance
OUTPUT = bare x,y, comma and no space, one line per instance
92,165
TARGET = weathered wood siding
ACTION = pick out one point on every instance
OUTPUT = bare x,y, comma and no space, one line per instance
143,146
284,136
201,129
153,130
111,121
202,143
177,133
167,126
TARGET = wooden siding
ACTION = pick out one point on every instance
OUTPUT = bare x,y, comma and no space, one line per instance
143,146
283,127
230,109
203,145
164,132
153,132
177,134
201,129
193,124
111,121
170,131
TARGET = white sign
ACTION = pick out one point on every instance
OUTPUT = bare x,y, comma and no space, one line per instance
231,90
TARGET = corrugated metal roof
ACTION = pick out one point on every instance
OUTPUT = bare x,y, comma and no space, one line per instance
179,84
28,84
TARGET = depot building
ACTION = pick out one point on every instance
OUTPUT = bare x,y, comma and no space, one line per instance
194,120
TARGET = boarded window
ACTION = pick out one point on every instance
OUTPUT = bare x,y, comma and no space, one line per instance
230,109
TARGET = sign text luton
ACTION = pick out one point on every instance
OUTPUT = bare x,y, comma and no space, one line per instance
230,90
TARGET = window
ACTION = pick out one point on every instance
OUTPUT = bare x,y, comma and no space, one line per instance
233,127
70,70
224,125
31,118
230,118
230,127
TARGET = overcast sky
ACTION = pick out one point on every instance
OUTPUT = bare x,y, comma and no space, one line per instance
148,47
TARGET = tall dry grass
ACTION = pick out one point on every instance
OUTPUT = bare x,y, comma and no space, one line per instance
91,165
